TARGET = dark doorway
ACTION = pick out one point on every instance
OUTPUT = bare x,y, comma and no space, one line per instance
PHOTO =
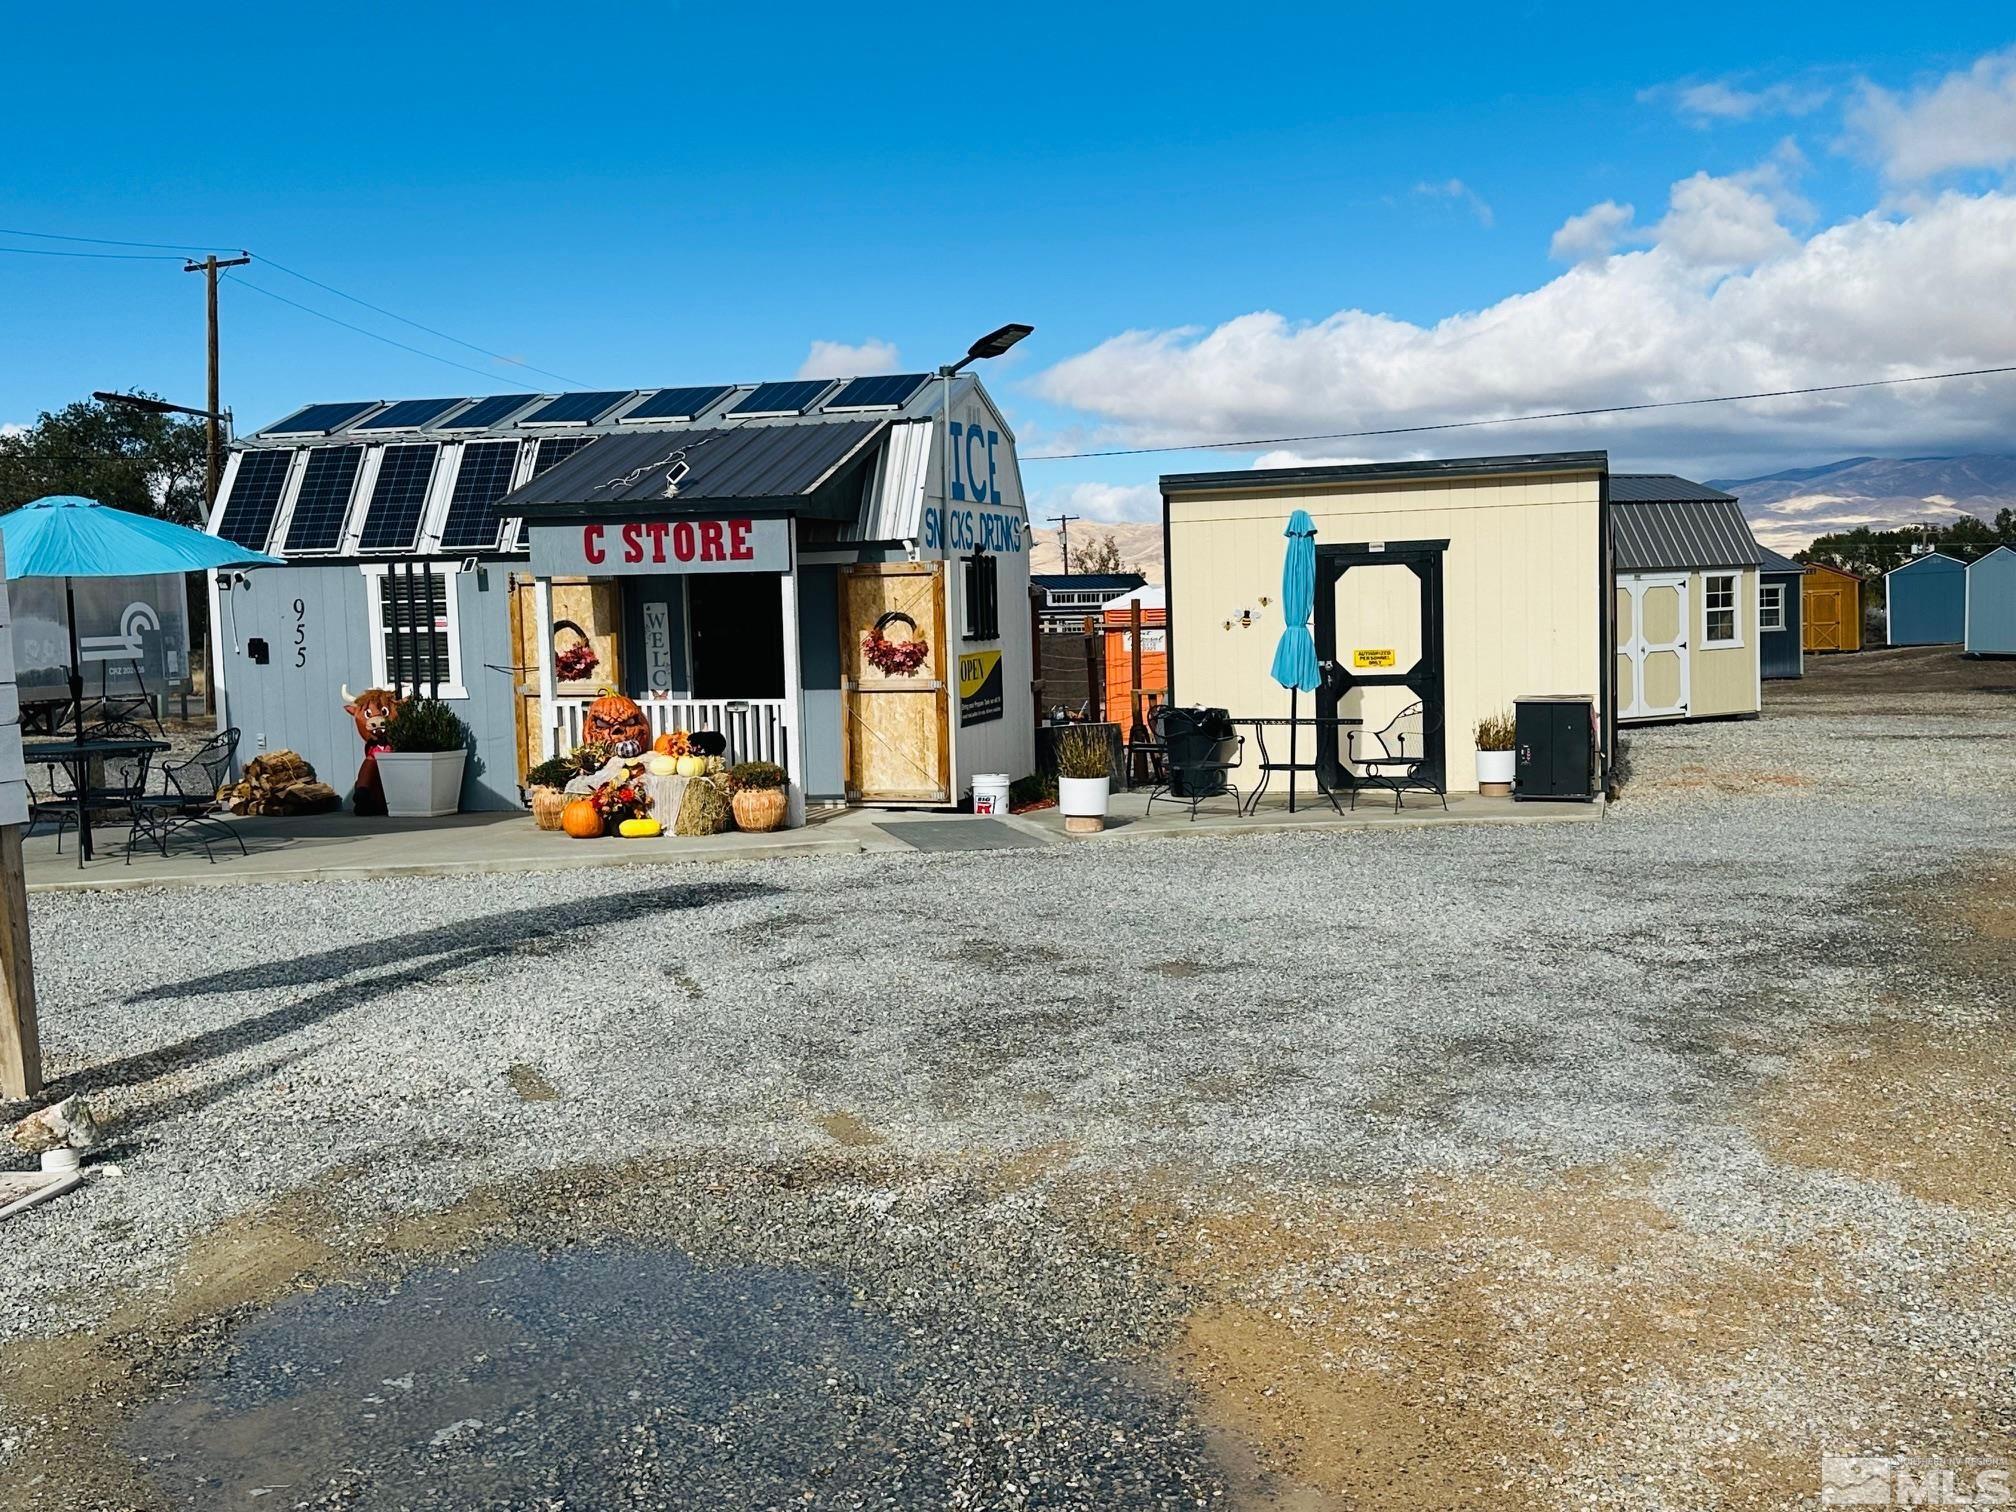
1423,679
737,621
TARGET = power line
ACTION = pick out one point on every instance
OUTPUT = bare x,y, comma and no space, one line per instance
376,336
1574,414
114,256
106,241
442,335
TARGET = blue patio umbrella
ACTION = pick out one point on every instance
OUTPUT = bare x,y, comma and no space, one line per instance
66,536
1295,653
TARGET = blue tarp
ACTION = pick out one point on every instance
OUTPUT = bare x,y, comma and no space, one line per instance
1295,653
65,536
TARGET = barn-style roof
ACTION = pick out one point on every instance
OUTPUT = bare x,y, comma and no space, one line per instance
1663,522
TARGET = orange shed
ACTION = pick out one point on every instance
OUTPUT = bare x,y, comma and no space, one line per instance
1121,685
1831,601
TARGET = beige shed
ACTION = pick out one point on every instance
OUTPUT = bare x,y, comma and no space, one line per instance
1460,585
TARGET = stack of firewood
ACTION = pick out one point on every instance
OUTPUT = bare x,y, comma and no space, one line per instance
280,782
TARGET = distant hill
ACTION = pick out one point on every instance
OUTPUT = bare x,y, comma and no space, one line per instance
1788,509
1140,543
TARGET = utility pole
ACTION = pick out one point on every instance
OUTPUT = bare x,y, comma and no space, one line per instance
1063,524
213,455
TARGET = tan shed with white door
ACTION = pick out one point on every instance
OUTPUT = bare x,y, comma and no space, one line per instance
1480,580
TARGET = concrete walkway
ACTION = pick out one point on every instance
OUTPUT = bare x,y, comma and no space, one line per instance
334,847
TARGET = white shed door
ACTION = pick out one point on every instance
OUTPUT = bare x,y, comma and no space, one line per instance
1652,645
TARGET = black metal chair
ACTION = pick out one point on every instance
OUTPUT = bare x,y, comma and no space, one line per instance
187,802
1200,749
1394,767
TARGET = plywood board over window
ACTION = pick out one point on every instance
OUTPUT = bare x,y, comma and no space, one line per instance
895,747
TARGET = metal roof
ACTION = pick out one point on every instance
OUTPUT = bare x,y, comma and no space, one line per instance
1379,472
1117,582
1769,561
1662,488
665,471
1680,533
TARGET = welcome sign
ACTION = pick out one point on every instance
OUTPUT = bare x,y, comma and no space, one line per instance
606,548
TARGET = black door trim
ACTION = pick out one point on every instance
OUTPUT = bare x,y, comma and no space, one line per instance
1424,679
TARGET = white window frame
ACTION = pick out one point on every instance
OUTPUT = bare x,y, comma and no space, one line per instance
1735,581
452,686
1770,603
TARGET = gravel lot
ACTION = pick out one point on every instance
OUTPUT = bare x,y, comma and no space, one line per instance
1622,1165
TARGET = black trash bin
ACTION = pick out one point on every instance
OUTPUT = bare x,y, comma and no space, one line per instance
1202,747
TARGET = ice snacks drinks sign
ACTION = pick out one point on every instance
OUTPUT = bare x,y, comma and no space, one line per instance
609,548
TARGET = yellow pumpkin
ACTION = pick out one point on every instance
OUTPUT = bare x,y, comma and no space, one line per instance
662,766
692,766
582,820
639,829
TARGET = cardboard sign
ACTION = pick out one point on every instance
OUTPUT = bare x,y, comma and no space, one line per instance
609,548
1381,657
979,687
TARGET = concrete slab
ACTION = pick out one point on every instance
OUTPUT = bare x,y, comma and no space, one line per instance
967,835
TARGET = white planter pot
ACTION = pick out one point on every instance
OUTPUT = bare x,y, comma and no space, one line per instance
1084,797
422,784
1495,772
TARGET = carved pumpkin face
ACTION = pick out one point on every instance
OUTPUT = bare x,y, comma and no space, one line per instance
617,722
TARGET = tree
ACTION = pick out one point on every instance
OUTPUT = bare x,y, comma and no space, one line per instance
1101,555
149,464
1874,552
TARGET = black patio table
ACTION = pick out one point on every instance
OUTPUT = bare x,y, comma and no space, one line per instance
76,756
1268,766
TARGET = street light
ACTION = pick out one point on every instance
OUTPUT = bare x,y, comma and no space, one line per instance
217,419
993,344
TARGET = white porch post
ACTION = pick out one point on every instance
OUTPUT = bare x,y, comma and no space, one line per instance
794,692
542,620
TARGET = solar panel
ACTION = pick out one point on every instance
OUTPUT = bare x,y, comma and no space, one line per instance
557,449
577,409
483,479
318,419
255,498
398,498
885,391
678,403
782,398
324,501
407,414
485,413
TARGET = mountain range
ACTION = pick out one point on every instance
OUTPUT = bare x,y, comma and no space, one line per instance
1786,509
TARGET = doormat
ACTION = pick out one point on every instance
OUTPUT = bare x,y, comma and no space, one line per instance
959,835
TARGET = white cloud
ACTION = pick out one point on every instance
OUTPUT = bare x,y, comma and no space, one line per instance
1111,502
1594,233
1965,120
11,429
1722,298
1714,100
837,359
1457,192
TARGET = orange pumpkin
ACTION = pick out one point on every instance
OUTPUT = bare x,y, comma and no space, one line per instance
617,722
582,820
671,743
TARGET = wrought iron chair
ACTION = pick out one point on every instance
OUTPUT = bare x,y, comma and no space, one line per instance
187,802
1199,751
1393,766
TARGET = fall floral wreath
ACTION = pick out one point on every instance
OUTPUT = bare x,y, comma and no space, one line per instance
895,658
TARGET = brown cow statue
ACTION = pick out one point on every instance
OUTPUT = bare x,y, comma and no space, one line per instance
371,709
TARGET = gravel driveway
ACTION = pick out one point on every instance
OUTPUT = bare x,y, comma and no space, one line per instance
1625,1165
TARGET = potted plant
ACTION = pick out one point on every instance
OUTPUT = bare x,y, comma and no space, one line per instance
1084,778
546,790
422,771
760,794
1497,762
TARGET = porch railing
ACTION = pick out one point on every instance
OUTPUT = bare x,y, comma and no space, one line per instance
756,727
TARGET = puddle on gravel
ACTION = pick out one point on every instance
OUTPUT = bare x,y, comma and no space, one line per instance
607,1375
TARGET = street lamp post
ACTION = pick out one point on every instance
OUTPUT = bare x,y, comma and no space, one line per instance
219,425
993,344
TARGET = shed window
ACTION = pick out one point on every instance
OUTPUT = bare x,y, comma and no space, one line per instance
1771,607
415,628
1718,603
983,597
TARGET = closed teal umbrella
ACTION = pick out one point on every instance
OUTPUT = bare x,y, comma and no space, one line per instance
1295,653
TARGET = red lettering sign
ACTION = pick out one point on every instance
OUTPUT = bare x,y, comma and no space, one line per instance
591,543
682,541
657,529
633,542
712,547
738,541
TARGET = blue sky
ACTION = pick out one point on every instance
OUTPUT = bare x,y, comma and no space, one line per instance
691,193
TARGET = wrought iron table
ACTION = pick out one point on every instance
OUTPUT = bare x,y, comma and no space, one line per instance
1268,766
76,756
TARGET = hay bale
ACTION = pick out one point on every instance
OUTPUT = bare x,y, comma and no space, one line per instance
703,811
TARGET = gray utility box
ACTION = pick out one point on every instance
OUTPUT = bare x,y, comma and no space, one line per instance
1555,748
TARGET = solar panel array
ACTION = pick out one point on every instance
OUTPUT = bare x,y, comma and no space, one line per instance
392,521
678,403
324,501
255,498
485,413
483,479
577,409
407,414
886,391
793,398
557,449
318,419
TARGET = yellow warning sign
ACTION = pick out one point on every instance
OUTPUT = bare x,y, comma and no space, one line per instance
1380,657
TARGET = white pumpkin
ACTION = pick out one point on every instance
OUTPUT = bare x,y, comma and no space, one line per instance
692,766
662,766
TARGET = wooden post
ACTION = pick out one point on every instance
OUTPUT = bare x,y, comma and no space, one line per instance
20,1044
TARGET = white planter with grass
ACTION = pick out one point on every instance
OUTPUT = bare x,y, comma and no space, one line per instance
1495,771
422,784
1085,802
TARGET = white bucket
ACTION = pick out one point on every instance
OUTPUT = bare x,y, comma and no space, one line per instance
990,792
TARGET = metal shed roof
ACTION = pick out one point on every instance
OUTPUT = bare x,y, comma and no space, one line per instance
1661,488
1680,534
1770,561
